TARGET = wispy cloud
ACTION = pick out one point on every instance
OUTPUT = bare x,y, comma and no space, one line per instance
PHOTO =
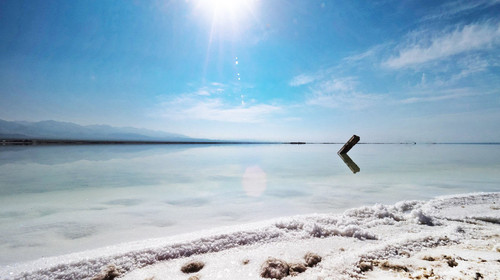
212,89
203,92
465,67
370,53
459,8
471,65
215,109
340,92
463,71
444,95
304,79
354,100
346,84
471,37
442,63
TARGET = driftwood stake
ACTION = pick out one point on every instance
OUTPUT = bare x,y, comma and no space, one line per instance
348,146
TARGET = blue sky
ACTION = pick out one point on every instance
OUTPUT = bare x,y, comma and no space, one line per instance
253,69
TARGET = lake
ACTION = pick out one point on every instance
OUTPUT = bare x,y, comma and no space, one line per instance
62,199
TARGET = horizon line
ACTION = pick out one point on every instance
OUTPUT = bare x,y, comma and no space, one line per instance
51,141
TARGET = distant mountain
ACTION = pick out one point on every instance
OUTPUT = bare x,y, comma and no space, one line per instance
71,131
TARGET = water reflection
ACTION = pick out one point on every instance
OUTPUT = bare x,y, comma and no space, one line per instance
350,163
67,154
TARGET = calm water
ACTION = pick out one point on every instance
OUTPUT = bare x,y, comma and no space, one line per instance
63,199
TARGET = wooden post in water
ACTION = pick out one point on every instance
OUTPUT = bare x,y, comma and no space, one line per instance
348,146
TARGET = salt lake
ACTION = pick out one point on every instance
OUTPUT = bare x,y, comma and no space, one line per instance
62,199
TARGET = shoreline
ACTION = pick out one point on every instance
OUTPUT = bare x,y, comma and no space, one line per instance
379,236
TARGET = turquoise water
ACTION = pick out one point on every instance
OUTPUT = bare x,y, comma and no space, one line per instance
62,199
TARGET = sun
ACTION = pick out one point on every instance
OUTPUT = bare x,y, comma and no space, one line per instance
226,11
230,7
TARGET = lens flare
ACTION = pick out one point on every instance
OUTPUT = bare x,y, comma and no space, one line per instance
254,181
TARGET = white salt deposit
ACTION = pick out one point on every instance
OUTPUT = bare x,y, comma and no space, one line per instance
446,238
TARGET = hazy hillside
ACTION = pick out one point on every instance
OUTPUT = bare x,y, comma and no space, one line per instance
70,131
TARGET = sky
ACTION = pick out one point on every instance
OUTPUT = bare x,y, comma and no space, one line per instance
279,70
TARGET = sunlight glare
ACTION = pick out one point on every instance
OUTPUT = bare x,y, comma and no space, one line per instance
224,11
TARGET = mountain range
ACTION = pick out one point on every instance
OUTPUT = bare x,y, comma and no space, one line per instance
71,131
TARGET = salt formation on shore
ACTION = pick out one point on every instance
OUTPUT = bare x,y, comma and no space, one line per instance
453,236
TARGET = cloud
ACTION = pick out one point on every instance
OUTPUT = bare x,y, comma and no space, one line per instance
338,85
215,109
370,53
471,37
459,8
340,92
203,92
213,88
345,65
471,65
303,79
354,100
360,56
449,94
466,71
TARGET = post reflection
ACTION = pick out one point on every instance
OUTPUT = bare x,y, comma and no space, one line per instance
350,163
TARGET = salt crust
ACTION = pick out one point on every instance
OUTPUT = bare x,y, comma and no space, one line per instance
382,241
